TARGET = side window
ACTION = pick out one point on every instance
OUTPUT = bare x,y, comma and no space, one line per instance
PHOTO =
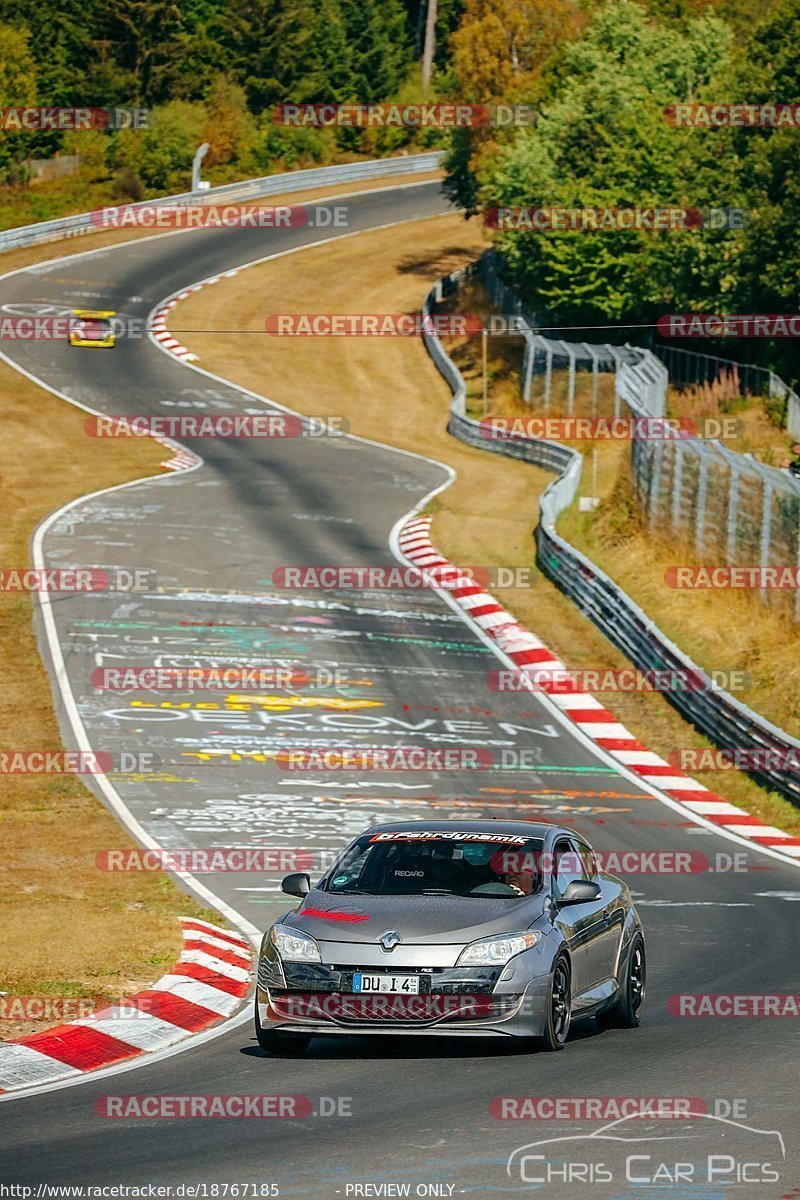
349,868
567,866
588,861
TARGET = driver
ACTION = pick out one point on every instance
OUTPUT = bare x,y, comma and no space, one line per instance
517,870
520,881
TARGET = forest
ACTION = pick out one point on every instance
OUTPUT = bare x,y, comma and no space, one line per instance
601,78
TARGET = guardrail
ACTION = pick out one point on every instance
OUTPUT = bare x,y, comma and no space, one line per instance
248,189
724,720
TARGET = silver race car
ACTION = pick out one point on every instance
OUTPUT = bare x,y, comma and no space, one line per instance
459,928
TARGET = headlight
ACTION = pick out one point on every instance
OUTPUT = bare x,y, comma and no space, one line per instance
294,946
494,952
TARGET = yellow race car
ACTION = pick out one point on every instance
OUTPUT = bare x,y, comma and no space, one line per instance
91,328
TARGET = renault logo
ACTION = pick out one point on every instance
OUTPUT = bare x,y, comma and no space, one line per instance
390,939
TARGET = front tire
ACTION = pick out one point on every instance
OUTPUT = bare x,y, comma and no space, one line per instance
558,1009
627,1012
282,1045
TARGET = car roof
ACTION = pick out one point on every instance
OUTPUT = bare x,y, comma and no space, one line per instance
96,313
538,829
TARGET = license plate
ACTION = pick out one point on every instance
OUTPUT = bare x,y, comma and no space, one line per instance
405,985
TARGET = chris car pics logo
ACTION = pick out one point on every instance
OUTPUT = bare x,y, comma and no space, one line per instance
704,1151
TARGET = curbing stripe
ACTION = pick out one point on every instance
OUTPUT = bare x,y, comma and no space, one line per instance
83,1049
206,985
224,934
595,721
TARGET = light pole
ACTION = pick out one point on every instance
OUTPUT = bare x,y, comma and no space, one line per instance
485,368
196,161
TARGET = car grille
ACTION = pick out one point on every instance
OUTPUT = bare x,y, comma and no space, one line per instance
422,1009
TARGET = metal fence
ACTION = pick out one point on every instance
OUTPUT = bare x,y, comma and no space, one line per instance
724,720
684,368
248,189
729,508
725,508
544,356
689,368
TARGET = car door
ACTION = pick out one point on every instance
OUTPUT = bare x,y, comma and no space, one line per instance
577,922
603,935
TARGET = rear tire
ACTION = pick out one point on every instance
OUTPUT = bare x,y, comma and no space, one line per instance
627,1012
558,1009
282,1045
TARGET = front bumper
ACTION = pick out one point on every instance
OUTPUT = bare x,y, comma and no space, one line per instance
93,343
319,999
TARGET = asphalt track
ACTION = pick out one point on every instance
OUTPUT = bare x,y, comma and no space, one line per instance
419,1109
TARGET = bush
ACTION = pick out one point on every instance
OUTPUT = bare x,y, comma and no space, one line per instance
128,186
162,154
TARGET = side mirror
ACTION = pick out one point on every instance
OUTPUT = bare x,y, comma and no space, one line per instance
580,891
297,884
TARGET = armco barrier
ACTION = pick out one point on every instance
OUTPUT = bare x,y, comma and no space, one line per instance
727,722
248,189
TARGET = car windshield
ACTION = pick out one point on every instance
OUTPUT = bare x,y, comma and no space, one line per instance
439,863
91,328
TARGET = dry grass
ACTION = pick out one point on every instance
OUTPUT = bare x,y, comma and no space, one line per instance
68,929
757,433
390,391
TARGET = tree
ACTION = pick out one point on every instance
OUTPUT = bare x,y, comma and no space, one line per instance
501,53
502,46
377,35
768,71
161,155
603,142
430,45
229,129
287,51
18,87
146,34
